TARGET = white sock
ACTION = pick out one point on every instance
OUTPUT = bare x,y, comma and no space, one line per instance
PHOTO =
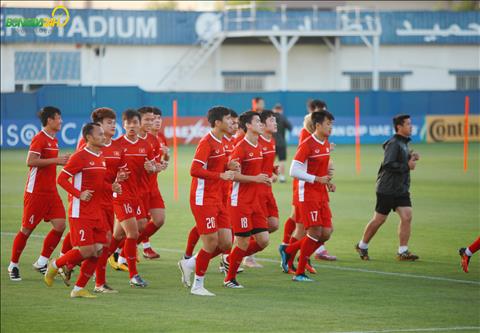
198,281
468,252
362,245
146,245
320,249
42,261
12,265
54,264
402,249
191,262
121,260
75,288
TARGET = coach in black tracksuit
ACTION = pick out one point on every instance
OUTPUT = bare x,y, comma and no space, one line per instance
393,186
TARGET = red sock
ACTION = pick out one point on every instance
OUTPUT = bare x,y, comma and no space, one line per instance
18,245
100,278
201,265
193,237
86,271
235,259
50,242
67,243
131,255
71,258
114,244
309,245
253,247
288,229
293,248
149,230
475,246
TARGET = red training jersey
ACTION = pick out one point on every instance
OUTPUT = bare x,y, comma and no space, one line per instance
251,161
42,180
207,165
135,154
268,151
315,155
162,140
150,179
87,170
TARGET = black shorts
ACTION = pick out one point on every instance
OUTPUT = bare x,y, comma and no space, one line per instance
390,202
281,153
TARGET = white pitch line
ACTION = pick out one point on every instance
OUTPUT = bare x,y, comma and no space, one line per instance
432,329
340,268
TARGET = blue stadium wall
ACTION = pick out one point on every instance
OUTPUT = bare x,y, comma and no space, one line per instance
377,108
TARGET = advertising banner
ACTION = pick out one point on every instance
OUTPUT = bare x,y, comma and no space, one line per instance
451,128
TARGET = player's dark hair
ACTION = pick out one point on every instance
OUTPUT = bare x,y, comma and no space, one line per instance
266,114
246,118
217,113
88,129
157,111
129,114
318,117
258,99
144,110
47,112
233,113
102,113
398,120
317,105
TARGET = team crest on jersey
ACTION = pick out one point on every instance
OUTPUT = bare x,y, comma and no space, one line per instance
104,164
92,163
217,151
264,148
317,151
251,154
49,144
328,150
141,150
116,153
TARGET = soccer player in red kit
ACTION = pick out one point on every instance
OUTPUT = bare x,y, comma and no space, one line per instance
246,214
293,228
310,167
87,168
467,252
209,172
128,208
152,199
193,235
41,199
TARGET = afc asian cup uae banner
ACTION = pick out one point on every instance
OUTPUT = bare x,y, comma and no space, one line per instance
373,130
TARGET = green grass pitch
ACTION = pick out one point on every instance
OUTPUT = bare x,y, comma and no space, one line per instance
349,295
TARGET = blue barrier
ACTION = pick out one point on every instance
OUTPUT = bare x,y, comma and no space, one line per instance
18,110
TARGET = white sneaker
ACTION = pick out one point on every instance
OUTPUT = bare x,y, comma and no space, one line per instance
201,291
250,262
186,273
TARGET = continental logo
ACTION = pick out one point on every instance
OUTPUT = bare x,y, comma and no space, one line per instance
450,128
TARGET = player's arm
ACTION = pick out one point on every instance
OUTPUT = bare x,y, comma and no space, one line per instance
198,170
298,168
34,160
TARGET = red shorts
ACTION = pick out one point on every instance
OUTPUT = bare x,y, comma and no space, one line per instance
206,218
223,219
315,214
248,220
156,199
144,205
108,218
38,207
127,208
85,232
268,203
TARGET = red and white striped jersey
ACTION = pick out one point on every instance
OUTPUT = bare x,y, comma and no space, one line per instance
87,170
250,158
315,155
210,155
43,180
